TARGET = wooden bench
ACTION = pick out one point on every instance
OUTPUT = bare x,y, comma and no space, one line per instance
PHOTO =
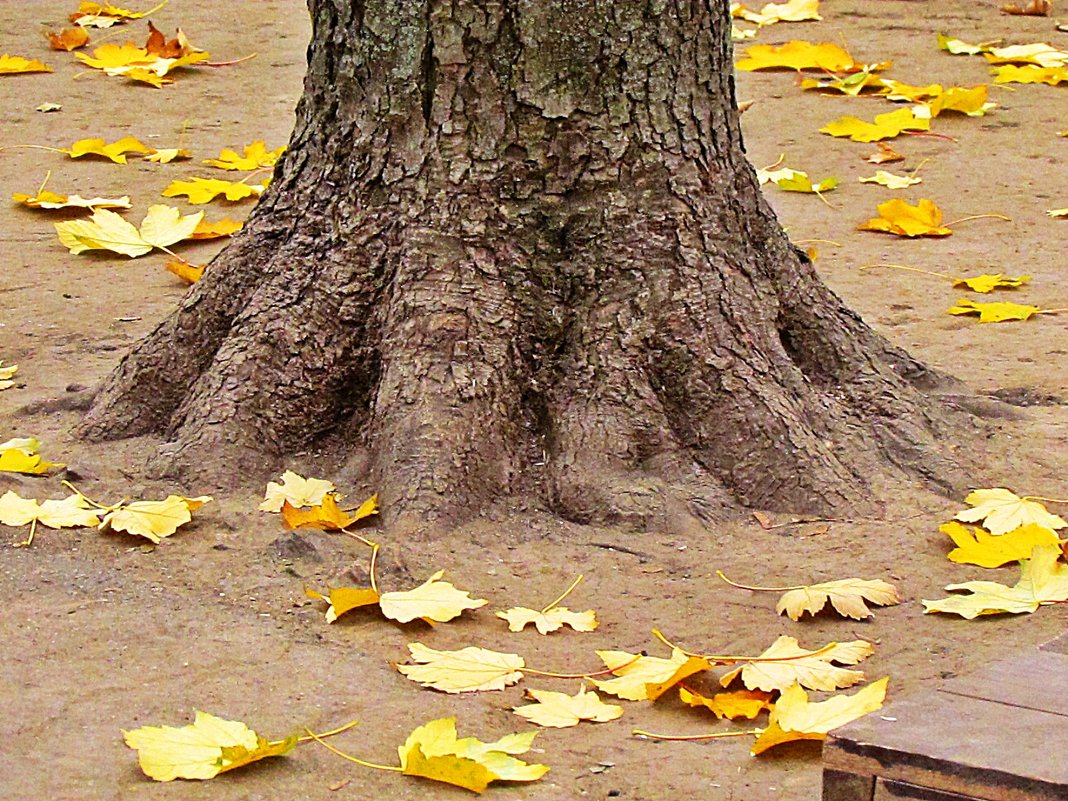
1000,734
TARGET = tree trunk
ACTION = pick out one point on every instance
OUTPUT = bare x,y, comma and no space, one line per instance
515,247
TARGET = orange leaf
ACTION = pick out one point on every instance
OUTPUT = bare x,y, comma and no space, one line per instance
327,516
68,39
190,273
214,230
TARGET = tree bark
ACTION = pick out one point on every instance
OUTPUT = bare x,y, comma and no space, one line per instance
516,247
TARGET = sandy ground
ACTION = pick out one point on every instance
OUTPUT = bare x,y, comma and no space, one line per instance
102,633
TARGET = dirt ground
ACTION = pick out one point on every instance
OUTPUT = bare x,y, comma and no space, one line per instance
101,633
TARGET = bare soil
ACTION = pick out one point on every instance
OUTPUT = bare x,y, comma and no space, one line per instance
102,632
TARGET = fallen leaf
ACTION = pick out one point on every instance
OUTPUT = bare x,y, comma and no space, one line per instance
204,190
432,751
190,273
798,55
1058,212
68,39
216,229
116,151
256,156
16,65
899,218
162,227
800,182
794,717
51,200
979,547
999,312
550,620
989,282
812,669
640,677
1001,511
960,48
153,520
885,126
1034,8
102,15
6,382
884,155
169,154
202,750
970,101
45,108
1043,580
296,490
20,455
731,705
791,11
327,516
847,596
1039,53
344,599
468,670
891,180
560,710
433,600
70,512
852,85
1010,73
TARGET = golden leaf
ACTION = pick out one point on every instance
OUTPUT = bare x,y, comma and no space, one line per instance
327,516
16,65
979,547
847,596
560,710
344,599
111,56
733,705
167,155
794,717
68,39
202,750
988,283
433,600
640,678
256,156
519,617
891,180
812,669
153,520
216,229
105,230
1030,73
790,11
190,273
999,312
204,190
970,101
885,126
116,151
468,670
898,217
798,55
1033,8
433,751
50,200
102,15
6,382
1002,511
296,490
1043,580
20,455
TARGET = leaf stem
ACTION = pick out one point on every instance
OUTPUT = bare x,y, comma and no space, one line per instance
693,737
308,737
757,589
228,63
29,540
374,546
977,217
931,135
566,593
605,672
911,270
349,757
1040,497
730,660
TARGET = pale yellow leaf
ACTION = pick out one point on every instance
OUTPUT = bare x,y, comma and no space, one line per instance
51,200
433,600
812,669
153,520
297,490
470,669
519,617
847,596
1001,510
640,678
891,180
560,710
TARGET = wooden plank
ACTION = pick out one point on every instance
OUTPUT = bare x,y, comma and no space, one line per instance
957,744
1034,680
1057,646
886,790
839,785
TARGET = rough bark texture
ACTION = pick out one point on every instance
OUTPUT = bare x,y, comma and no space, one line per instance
517,244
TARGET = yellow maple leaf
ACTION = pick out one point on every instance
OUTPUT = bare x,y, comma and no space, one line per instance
190,273
1043,580
999,312
71,512
731,705
111,56
1030,73
16,65
68,39
847,596
204,190
433,600
216,229
104,15
1039,53
790,11
6,382
967,100
433,751
898,217
794,717
44,199
256,156
116,151
560,710
980,547
1001,511
885,126
327,516
989,282
800,182
202,750
798,55
20,455
640,678
153,520
786,662
468,670
296,490
168,154
891,180
959,47
852,85
344,599
550,620
162,227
